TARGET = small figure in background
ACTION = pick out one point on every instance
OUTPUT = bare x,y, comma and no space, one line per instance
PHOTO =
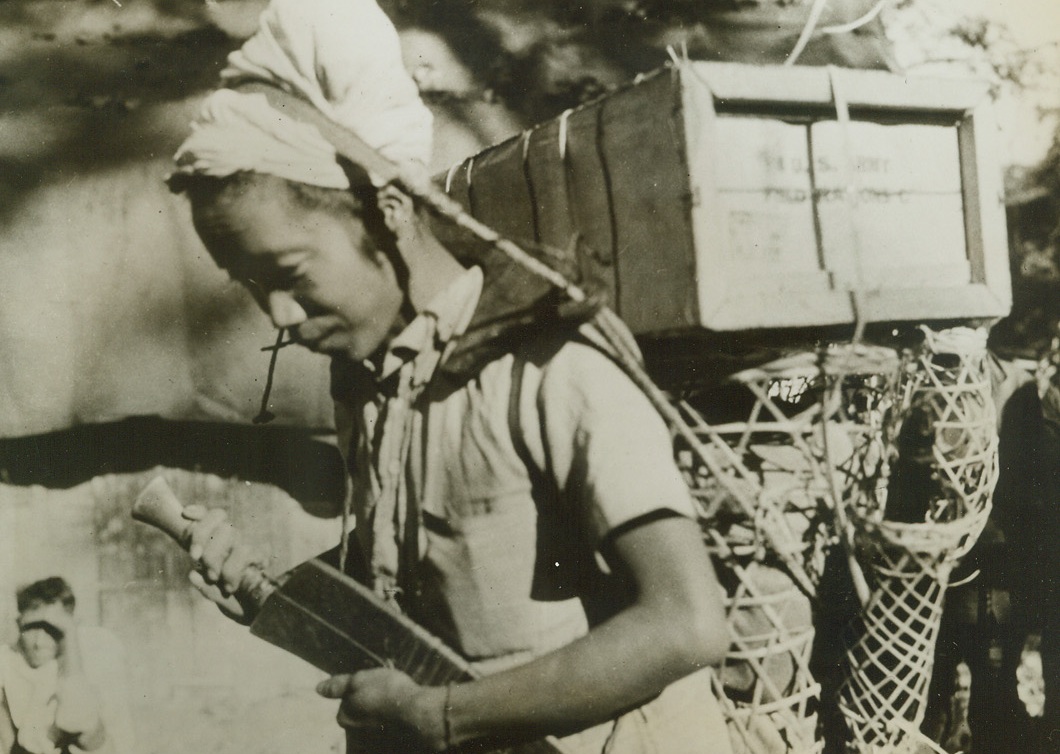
1048,587
61,686
1002,591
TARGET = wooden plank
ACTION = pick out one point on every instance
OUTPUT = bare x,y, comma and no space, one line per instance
499,192
553,212
908,213
457,182
736,83
756,241
914,235
590,198
984,199
707,213
766,195
892,159
642,143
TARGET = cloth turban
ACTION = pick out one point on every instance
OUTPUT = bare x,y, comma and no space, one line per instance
343,56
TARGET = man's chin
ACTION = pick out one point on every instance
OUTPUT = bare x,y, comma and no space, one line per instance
322,345
341,344
35,660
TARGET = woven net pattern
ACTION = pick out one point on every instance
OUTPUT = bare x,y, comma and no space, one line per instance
948,406
766,485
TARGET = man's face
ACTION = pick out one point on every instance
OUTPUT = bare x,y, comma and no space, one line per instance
40,628
312,271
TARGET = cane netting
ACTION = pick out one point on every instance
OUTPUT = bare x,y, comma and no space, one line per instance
766,486
909,543
803,468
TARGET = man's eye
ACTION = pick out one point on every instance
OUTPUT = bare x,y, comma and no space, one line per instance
253,286
290,279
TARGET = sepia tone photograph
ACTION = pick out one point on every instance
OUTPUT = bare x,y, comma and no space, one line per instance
617,377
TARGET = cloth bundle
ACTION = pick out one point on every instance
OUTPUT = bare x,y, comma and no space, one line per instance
344,57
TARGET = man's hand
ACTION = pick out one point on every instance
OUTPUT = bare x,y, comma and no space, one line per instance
413,713
221,560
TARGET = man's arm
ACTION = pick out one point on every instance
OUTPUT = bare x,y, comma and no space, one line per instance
674,626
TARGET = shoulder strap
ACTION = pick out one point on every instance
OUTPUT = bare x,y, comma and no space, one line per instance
538,476
564,561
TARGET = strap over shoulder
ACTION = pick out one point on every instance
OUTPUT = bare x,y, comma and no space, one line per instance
516,309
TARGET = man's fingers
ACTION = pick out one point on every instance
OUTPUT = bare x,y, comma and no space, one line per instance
212,539
336,686
228,606
216,549
206,522
235,566
209,591
194,512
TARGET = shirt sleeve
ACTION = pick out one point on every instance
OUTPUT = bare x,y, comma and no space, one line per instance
608,448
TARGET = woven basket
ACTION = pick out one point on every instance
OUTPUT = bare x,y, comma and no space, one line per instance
767,486
908,563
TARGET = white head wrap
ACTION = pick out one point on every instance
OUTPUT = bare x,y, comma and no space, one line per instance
344,56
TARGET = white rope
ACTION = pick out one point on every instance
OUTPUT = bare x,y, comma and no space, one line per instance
807,31
856,23
449,177
851,196
526,144
562,140
470,167
834,396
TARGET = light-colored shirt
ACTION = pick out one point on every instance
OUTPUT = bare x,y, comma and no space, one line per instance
496,583
27,694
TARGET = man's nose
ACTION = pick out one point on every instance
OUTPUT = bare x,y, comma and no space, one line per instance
284,310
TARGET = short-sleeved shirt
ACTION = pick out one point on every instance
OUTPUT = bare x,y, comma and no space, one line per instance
506,554
27,695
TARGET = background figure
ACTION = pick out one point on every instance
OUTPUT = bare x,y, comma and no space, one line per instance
1048,592
62,687
999,601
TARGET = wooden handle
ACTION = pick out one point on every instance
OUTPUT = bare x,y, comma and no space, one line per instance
158,506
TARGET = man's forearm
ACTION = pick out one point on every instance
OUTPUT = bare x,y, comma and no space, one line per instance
579,685
675,626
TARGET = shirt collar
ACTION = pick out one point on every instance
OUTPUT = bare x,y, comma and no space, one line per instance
444,318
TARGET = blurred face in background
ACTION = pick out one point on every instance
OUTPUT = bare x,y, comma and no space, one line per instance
40,632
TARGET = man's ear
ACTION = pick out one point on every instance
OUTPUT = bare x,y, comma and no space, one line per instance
399,211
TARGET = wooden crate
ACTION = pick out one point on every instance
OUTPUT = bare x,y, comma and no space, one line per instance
711,198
